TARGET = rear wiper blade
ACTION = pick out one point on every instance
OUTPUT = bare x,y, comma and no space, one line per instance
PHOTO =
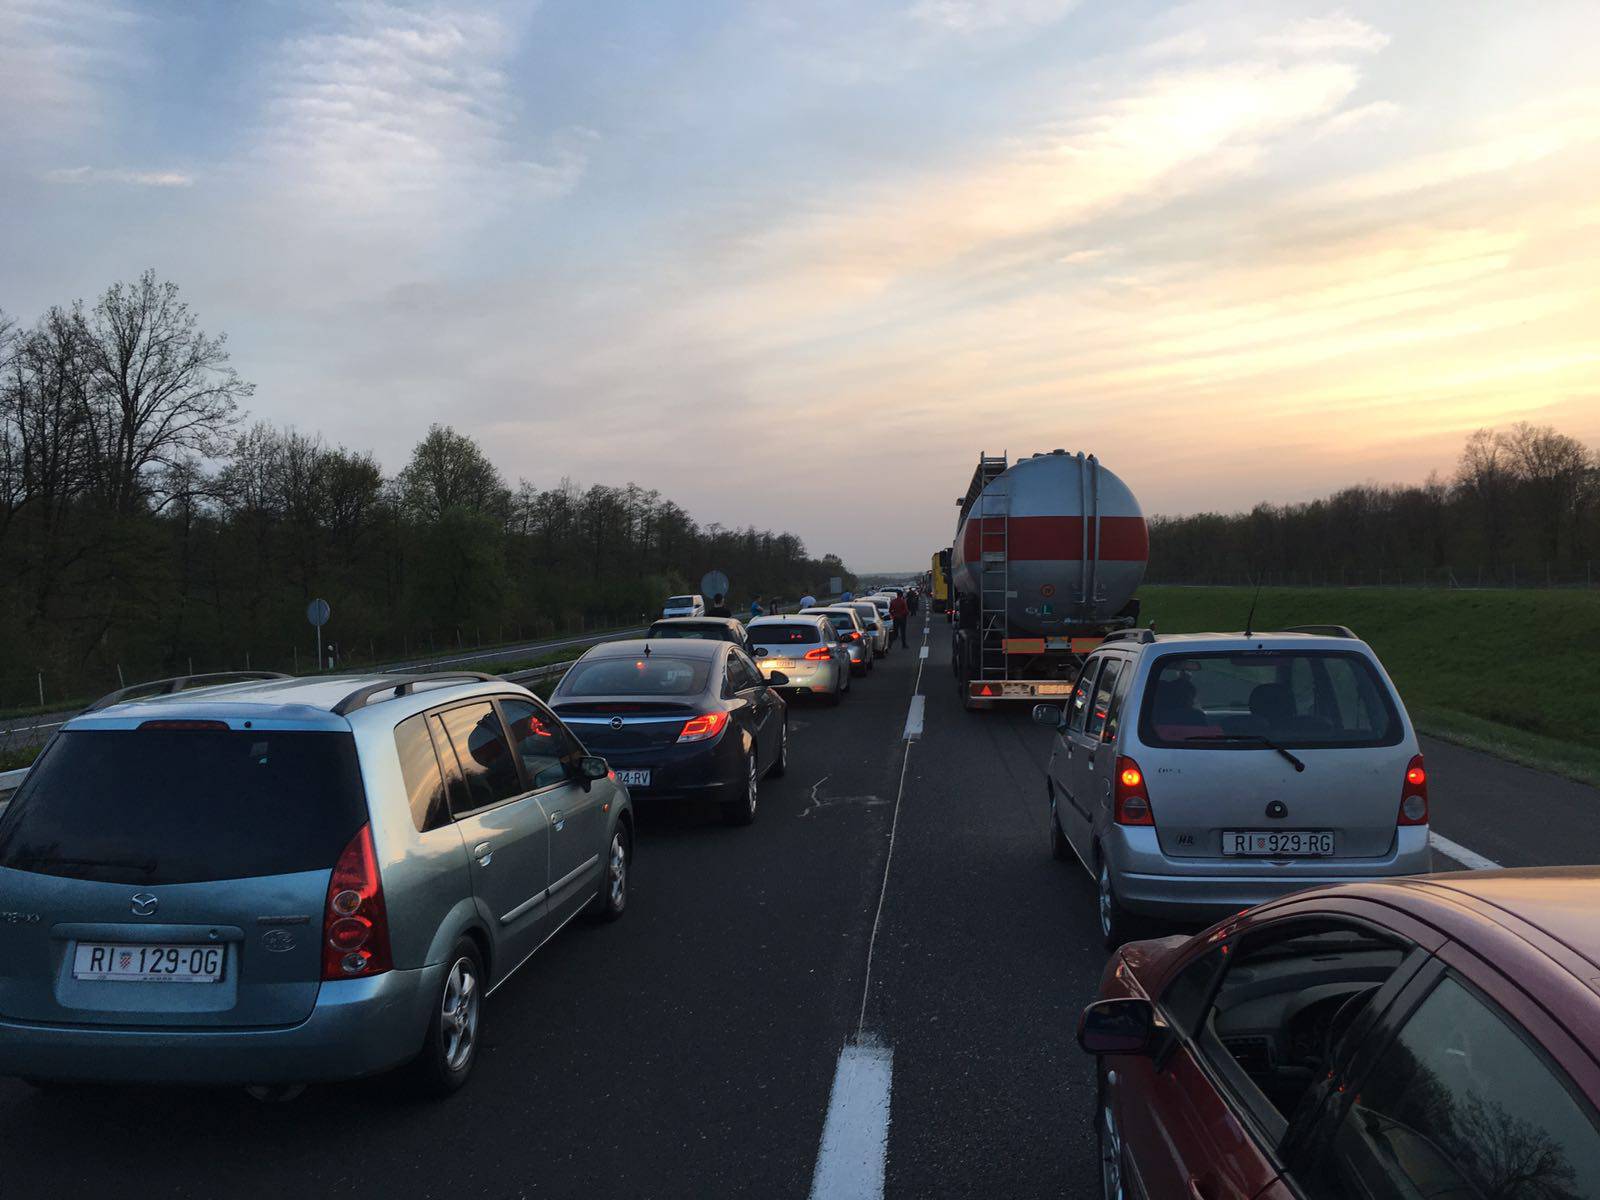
1265,742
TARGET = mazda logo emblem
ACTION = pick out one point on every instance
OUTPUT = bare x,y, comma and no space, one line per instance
616,722
144,904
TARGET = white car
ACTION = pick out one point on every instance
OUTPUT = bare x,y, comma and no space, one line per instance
684,606
808,652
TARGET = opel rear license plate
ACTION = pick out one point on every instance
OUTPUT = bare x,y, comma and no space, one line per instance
148,963
1278,843
634,778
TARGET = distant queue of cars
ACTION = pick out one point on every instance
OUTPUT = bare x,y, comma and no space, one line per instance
1352,1028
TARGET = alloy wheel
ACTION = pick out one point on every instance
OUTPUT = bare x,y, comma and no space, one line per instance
617,872
1110,1153
1107,899
458,1013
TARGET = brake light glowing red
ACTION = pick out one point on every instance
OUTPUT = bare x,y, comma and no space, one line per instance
183,725
355,924
704,727
1414,794
1131,800
820,654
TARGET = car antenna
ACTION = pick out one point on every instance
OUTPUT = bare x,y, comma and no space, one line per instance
647,649
1251,619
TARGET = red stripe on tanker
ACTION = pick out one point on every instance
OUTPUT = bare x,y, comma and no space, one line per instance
1037,539
1058,577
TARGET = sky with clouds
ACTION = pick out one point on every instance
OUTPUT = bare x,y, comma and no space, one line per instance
796,262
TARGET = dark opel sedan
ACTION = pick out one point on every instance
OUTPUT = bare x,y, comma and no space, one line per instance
679,719
1430,1037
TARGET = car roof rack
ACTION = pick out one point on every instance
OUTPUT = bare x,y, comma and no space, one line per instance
180,683
1338,631
404,685
1143,636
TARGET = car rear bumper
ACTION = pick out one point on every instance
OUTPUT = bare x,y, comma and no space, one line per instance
1155,884
679,771
357,1027
811,677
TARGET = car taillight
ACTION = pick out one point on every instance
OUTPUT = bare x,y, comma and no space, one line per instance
820,654
355,926
1132,805
703,727
1414,794
853,637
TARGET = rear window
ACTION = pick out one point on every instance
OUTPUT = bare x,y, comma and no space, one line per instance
706,633
679,602
653,675
785,635
843,622
185,806
1305,698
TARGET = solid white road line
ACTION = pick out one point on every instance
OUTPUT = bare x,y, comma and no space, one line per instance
855,1135
1467,858
924,653
914,717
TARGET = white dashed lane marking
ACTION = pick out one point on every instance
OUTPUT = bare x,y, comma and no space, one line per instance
855,1135
914,717
1470,859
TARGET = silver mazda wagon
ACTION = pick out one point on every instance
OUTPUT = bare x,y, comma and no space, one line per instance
271,881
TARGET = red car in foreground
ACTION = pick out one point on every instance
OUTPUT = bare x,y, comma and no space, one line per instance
1435,1037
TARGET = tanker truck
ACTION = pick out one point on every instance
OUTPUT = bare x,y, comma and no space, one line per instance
1048,553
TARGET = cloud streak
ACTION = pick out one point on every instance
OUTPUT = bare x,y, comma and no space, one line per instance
119,175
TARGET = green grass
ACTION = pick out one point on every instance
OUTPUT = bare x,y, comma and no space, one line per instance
1510,672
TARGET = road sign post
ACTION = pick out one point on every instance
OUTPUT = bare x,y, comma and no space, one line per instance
318,612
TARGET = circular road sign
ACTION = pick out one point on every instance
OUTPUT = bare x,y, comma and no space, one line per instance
318,612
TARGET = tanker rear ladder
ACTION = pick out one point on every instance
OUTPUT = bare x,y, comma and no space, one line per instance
994,566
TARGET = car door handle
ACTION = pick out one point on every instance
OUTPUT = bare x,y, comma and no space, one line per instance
484,853
558,820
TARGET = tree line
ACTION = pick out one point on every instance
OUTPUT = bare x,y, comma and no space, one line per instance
1521,508
146,526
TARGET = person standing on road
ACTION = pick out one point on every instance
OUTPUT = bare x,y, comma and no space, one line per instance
902,617
808,601
755,608
718,608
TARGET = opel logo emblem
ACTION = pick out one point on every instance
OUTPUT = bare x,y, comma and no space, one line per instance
616,722
144,904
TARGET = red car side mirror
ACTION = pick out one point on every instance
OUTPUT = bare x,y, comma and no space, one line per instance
1126,1026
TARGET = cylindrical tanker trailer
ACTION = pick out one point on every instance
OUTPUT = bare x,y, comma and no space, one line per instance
1048,553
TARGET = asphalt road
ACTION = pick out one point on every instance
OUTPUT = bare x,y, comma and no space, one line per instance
692,1048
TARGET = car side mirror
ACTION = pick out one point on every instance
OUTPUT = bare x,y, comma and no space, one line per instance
777,679
1125,1026
592,767
760,652
1048,715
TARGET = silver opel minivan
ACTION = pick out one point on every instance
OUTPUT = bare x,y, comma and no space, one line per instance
271,881
1199,774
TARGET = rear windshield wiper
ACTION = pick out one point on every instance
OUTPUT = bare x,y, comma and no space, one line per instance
1267,743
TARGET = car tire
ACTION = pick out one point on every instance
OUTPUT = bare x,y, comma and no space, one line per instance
1060,848
743,810
611,896
781,763
1108,1138
450,1047
1117,925
831,699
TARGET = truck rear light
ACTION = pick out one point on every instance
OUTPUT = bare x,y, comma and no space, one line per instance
704,727
1414,794
355,924
820,654
1131,800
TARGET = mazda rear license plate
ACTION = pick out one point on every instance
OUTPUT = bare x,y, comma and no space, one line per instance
634,778
1277,843
147,963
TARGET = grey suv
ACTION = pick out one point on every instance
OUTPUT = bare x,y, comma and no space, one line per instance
274,880
1199,774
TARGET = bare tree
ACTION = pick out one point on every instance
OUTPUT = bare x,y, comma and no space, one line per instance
161,389
1556,469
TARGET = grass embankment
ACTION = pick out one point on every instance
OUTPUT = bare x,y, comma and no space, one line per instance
1514,673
